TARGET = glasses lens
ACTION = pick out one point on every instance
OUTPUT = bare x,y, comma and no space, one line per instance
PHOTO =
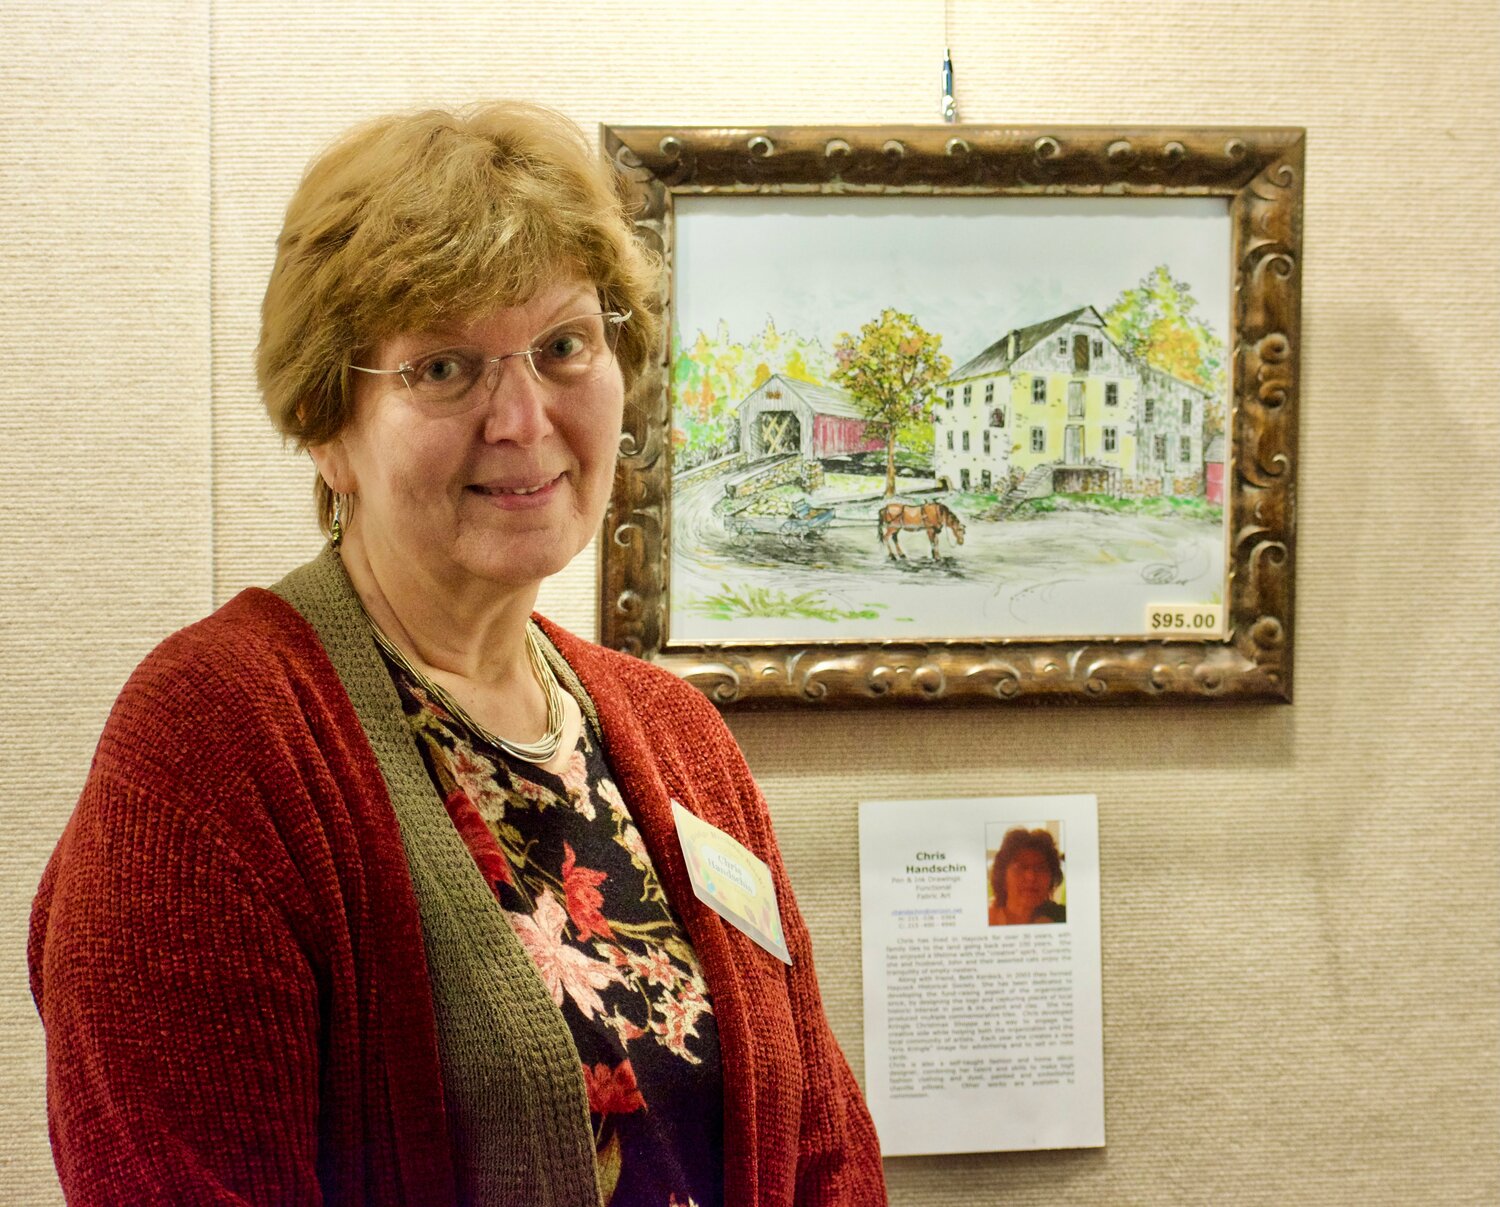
444,376
576,349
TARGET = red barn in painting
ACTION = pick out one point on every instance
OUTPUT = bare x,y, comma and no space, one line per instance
1213,470
783,416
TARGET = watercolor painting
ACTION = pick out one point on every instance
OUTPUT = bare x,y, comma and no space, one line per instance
946,417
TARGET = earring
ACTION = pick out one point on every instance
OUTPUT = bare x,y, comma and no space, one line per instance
336,529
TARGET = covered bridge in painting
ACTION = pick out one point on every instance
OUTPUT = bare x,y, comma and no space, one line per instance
784,416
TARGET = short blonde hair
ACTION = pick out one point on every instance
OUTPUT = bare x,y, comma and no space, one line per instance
418,219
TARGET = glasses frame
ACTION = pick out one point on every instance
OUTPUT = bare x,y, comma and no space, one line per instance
613,320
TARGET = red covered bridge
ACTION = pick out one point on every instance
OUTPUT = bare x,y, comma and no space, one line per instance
784,416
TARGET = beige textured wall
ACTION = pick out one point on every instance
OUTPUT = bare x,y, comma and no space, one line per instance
106,537
1301,915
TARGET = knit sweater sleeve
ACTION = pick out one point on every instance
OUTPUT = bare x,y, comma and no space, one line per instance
181,1014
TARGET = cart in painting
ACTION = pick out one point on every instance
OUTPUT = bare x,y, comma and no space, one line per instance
802,523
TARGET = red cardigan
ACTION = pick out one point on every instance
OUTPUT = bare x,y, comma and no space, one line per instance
227,958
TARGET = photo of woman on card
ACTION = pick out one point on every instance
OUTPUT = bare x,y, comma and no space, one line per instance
1026,884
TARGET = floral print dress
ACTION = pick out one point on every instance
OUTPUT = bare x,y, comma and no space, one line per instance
572,875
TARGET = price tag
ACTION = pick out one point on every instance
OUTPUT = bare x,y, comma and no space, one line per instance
1185,620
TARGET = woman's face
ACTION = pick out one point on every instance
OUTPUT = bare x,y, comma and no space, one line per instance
1028,882
507,492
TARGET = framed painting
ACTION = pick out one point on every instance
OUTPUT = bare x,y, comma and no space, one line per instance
950,414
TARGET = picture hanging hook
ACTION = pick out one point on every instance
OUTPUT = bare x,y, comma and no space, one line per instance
950,106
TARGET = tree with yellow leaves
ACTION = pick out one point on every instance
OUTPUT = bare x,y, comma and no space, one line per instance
891,369
1155,322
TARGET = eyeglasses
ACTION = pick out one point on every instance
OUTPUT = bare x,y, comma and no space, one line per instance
571,353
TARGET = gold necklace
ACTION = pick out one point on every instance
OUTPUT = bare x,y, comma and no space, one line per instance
544,748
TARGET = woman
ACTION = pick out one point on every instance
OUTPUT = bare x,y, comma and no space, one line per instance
373,893
1026,871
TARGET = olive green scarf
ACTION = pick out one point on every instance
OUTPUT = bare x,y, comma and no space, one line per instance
517,1106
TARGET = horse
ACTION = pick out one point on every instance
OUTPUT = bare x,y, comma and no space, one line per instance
896,518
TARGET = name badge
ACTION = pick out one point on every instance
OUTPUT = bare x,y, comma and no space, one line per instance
731,881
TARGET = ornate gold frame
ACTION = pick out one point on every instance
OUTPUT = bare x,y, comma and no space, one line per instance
1259,170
